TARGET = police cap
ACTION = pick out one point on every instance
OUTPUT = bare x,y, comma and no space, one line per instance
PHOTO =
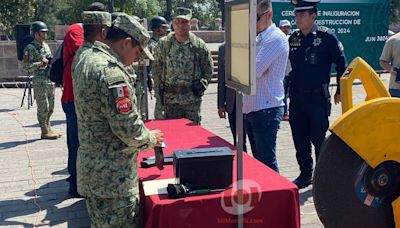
305,5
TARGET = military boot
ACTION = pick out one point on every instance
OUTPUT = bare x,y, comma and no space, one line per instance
46,134
52,131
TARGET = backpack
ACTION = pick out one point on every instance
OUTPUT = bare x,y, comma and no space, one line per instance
57,66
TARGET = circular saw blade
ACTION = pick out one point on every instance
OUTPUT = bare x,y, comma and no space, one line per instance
335,194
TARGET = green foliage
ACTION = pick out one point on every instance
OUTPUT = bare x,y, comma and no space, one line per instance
203,10
11,13
147,9
54,12
394,11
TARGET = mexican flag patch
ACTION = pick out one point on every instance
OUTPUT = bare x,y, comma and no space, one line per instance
123,103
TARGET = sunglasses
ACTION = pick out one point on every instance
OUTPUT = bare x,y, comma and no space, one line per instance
259,15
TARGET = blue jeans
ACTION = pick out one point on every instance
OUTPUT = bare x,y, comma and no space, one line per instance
262,128
72,139
394,92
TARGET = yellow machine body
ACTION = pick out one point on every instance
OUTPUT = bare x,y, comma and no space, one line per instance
371,129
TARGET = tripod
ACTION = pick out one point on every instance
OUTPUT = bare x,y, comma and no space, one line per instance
28,88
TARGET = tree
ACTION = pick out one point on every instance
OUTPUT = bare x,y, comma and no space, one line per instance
204,10
394,11
12,13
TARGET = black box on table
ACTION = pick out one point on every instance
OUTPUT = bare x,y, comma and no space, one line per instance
204,168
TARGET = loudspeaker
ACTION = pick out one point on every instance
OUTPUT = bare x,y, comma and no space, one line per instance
22,37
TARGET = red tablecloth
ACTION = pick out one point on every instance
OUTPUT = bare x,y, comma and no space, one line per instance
278,206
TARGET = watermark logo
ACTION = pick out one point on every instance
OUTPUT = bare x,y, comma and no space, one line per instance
237,201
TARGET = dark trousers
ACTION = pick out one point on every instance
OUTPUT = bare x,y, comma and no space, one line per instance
232,126
262,128
286,89
72,140
309,123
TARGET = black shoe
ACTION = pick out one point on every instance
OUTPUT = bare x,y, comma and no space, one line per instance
75,194
302,182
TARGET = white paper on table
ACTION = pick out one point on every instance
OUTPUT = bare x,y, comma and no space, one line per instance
157,187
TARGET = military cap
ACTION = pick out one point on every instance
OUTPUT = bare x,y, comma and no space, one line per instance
114,15
140,20
136,30
305,5
183,13
96,18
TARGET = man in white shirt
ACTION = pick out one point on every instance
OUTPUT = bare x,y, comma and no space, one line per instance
264,110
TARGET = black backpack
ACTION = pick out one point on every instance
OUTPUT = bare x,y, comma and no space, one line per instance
57,66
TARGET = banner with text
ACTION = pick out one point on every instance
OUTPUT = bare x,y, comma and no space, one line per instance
361,25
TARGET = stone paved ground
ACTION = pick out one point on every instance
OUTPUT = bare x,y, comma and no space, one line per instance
33,190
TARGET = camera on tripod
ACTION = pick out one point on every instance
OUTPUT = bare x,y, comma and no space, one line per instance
397,70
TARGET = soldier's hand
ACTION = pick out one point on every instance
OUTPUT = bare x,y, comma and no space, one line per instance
159,136
337,98
45,62
222,113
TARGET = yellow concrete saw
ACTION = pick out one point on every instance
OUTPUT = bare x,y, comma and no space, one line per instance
357,176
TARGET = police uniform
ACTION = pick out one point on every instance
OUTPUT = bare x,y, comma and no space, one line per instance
111,132
181,73
43,88
311,58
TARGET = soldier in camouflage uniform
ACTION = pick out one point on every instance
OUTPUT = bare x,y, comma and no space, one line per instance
181,70
36,60
159,27
111,131
139,82
95,27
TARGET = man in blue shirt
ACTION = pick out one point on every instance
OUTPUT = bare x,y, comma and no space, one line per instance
313,49
264,110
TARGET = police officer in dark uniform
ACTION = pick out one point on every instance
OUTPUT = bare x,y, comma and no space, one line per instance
313,49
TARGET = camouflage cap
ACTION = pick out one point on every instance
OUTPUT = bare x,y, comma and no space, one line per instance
136,30
96,18
183,13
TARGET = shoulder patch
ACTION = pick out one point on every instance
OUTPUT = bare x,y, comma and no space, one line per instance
323,29
120,94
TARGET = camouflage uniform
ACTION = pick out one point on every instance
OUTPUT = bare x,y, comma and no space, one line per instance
91,18
43,88
175,68
111,132
140,88
158,109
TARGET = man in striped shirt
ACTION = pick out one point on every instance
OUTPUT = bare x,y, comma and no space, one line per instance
264,110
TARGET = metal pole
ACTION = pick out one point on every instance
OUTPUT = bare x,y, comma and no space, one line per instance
145,87
222,6
111,6
239,164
